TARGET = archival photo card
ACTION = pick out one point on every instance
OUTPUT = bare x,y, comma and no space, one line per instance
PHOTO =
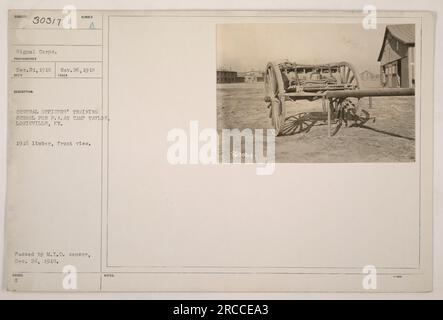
213,151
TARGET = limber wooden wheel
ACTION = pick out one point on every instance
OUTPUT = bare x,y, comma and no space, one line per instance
348,76
274,96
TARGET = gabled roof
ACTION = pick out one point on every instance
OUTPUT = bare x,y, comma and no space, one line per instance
404,33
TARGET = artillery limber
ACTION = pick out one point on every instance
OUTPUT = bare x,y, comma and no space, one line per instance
334,83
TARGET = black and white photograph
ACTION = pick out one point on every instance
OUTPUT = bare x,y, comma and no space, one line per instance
332,92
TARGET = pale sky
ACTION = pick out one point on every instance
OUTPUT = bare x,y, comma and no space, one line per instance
243,47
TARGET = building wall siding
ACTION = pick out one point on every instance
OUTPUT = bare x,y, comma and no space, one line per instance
226,76
395,53
394,50
404,72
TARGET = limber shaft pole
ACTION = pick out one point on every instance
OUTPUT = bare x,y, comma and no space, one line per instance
360,93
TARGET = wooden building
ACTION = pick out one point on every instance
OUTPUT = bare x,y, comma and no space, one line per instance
397,56
225,76
252,76
367,76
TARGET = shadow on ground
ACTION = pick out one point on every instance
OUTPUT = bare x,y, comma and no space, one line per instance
303,122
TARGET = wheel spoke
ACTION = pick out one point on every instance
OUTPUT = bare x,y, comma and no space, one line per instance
347,74
351,79
342,74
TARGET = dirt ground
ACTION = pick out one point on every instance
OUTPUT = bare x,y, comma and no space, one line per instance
388,135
